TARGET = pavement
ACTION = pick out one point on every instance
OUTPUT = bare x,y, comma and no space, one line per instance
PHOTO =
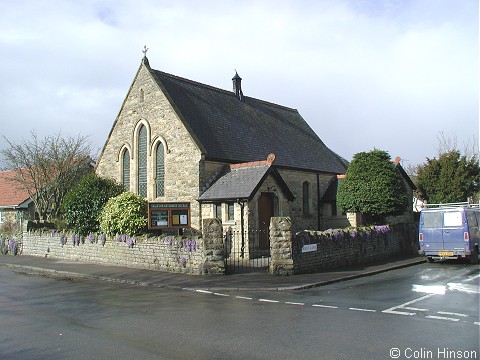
65,269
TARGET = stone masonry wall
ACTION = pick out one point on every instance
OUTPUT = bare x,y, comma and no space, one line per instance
191,255
333,249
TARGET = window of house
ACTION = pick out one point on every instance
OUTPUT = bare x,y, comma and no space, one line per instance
218,211
126,170
142,96
142,162
231,212
160,171
306,197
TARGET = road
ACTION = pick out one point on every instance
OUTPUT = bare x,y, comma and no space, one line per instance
425,311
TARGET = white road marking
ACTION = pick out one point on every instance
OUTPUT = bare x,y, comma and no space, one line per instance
393,310
204,291
398,312
451,313
325,306
441,318
269,301
414,309
472,278
365,310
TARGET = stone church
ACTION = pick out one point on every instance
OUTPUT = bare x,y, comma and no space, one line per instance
195,152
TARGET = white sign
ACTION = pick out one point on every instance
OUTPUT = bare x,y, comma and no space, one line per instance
309,248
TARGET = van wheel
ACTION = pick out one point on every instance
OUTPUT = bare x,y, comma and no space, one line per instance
430,259
474,256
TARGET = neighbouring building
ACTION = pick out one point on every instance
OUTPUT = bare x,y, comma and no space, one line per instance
15,204
195,151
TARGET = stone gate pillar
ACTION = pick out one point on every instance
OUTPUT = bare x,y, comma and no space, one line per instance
281,262
214,260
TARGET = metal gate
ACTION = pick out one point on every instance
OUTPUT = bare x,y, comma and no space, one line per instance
247,251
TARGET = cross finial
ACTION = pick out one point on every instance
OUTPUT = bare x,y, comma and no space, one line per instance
145,49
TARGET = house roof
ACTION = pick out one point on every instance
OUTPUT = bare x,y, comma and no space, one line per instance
242,182
11,195
236,131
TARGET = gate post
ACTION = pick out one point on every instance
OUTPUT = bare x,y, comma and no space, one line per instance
281,262
214,260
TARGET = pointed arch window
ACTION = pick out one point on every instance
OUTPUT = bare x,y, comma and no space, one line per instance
142,161
160,170
126,169
306,198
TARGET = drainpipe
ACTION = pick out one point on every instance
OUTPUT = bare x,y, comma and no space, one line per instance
318,201
242,227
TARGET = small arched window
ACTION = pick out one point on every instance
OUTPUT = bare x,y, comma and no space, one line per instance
142,161
126,170
141,96
160,170
306,198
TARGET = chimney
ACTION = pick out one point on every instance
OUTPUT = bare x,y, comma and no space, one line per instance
237,86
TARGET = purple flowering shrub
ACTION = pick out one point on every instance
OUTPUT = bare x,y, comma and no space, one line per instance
91,238
337,235
12,246
76,239
131,242
122,238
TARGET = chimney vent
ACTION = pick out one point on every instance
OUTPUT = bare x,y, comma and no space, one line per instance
237,86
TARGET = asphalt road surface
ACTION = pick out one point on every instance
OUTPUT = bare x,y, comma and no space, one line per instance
428,311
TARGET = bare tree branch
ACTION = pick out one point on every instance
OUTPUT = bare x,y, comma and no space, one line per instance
48,168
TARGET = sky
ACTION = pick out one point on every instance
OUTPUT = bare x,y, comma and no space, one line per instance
364,74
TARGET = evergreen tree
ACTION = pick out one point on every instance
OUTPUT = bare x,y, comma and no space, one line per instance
373,187
450,178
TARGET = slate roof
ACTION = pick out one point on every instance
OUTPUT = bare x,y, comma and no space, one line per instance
242,183
229,130
10,194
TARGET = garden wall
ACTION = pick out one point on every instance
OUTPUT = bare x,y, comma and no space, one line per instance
193,255
313,251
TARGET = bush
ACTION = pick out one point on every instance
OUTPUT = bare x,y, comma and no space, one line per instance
373,187
124,214
84,202
450,178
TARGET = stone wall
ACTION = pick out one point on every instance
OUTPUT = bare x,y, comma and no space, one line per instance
191,255
313,251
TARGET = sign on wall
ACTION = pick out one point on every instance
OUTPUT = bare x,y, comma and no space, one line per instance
309,248
168,215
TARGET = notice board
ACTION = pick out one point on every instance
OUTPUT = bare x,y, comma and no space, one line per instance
168,215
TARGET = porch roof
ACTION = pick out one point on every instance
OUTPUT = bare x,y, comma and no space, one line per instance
241,183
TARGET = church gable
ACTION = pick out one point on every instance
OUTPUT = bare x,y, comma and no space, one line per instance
149,150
